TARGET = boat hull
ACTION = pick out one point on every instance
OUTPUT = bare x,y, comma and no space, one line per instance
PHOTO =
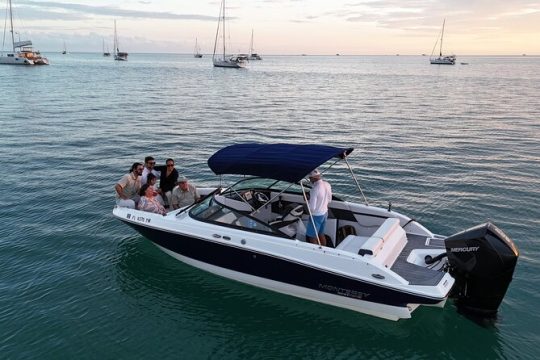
285,275
443,61
229,64
15,60
120,58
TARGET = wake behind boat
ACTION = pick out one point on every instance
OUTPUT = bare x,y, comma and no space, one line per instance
377,261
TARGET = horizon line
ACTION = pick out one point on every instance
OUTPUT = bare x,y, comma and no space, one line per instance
296,54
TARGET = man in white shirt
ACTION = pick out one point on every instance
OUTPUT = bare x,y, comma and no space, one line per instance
319,198
149,163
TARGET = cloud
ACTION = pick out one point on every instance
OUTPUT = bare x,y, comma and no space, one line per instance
58,10
34,13
424,16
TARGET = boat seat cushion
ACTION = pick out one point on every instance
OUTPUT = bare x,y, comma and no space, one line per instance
352,243
383,247
372,246
387,229
387,242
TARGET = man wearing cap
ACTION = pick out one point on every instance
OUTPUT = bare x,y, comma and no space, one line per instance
320,196
184,194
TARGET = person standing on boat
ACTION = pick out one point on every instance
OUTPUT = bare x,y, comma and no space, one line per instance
167,182
128,187
320,196
149,163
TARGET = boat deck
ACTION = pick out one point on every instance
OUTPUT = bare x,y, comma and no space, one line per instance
415,274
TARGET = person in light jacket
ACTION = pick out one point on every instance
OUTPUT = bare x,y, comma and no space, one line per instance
320,196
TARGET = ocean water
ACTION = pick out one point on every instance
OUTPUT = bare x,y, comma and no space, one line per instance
451,146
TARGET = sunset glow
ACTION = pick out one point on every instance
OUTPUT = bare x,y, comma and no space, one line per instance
354,27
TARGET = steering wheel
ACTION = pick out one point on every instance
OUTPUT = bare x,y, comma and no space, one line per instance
261,197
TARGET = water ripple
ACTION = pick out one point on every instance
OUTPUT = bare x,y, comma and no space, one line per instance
451,147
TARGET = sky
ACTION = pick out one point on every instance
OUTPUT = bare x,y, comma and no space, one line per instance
282,27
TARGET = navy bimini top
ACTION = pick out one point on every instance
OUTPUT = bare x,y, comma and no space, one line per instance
284,162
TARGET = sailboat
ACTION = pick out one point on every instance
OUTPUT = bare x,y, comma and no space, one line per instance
197,51
106,53
442,59
118,55
253,55
224,60
64,52
23,53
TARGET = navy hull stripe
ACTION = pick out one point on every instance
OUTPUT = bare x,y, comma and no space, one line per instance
277,269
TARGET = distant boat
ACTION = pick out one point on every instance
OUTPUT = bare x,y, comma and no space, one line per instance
224,60
252,54
23,53
118,55
442,59
197,52
64,52
105,53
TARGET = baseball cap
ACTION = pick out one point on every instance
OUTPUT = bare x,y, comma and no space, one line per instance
315,173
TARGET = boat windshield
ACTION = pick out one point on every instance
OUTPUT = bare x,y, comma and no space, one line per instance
225,211
264,184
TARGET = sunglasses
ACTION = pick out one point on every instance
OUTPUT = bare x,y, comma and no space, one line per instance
170,164
152,163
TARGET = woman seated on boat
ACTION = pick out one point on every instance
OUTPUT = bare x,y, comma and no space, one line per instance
149,202
152,179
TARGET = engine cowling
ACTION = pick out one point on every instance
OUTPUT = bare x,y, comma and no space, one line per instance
482,259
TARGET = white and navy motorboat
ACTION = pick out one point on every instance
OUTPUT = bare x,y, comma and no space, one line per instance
376,261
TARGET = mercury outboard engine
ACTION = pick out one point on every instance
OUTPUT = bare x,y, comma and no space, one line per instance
482,260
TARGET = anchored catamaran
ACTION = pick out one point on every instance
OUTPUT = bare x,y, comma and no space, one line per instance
23,53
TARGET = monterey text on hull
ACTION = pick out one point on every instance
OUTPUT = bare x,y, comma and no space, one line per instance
376,261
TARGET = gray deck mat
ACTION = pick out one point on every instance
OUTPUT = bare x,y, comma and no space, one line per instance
415,274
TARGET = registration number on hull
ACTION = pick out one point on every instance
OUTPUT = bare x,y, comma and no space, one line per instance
138,218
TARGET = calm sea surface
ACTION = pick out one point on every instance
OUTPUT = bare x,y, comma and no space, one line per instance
451,146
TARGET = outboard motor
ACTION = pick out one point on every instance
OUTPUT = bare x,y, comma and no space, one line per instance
482,260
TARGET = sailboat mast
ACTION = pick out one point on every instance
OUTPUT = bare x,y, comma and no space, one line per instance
251,44
223,29
442,36
217,33
115,40
11,23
